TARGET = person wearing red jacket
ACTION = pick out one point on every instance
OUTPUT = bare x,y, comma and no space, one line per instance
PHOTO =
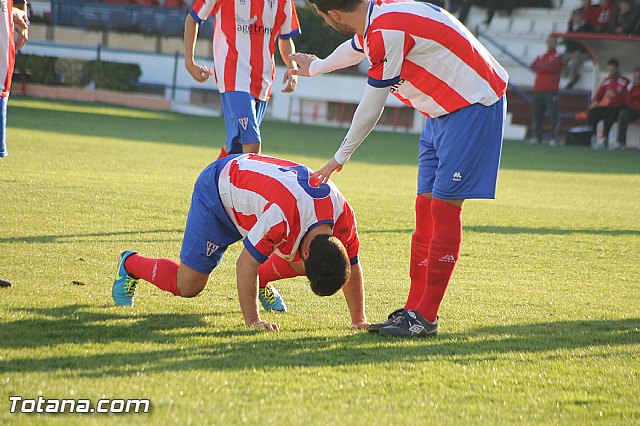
631,111
548,68
607,102
603,14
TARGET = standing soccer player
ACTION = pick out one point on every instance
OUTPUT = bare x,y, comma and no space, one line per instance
13,14
431,62
288,228
245,33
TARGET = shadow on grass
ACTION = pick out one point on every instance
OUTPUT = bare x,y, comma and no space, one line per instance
57,238
517,230
292,140
249,349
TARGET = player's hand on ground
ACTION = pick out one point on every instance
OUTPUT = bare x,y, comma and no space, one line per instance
199,73
322,175
265,324
291,81
304,62
360,326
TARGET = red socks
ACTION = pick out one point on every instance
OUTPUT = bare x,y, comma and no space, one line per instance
444,250
223,153
162,273
274,269
419,251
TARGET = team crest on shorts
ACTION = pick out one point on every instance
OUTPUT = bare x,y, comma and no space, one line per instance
244,121
211,248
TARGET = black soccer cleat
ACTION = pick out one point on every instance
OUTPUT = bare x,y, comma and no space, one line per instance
411,325
394,318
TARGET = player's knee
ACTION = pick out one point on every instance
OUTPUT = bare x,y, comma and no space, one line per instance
190,288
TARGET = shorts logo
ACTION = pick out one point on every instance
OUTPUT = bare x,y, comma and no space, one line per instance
211,248
244,121
457,177
271,3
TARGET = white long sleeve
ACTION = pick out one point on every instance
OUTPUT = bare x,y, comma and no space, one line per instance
364,120
342,57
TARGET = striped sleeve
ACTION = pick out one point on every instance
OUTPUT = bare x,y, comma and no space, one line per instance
291,25
202,9
386,53
269,232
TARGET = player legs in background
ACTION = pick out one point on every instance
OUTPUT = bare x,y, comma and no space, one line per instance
3,126
243,114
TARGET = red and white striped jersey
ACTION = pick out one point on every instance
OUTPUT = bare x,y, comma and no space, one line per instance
273,206
244,37
7,46
428,59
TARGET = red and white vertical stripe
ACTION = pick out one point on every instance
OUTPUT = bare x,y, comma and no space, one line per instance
244,39
7,47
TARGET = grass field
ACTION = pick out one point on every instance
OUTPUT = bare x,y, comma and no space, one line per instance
541,324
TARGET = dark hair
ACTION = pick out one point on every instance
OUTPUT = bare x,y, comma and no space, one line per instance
325,6
327,266
614,62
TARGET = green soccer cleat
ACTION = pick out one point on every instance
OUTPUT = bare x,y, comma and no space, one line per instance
124,286
270,299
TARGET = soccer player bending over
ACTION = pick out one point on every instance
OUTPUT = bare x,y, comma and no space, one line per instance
431,62
288,228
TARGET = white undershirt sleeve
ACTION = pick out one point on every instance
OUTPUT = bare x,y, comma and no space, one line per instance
344,56
364,120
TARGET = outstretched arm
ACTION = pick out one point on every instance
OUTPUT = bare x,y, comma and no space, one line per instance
343,56
364,120
354,294
247,281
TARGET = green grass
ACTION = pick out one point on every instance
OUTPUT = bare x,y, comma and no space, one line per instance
541,324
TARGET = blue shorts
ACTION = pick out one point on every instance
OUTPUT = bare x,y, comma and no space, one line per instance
459,154
3,126
243,114
208,231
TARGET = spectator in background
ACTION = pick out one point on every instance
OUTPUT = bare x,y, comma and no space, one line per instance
548,68
625,18
588,14
603,15
575,53
607,103
631,110
14,33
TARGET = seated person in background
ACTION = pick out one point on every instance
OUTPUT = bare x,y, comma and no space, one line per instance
604,14
625,19
631,110
575,54
588,13
607,102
